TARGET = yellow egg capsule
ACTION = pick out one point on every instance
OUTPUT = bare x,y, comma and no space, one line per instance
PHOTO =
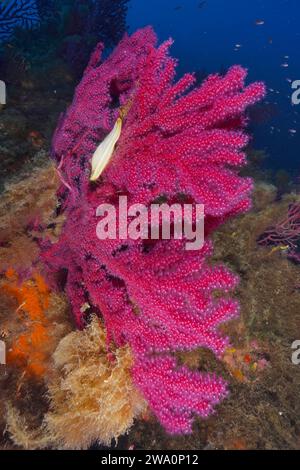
105,151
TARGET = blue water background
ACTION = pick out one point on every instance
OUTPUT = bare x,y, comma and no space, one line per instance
206,34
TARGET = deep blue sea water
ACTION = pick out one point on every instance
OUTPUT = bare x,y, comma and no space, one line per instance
206,35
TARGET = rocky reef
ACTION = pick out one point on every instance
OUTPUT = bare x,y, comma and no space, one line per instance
45,401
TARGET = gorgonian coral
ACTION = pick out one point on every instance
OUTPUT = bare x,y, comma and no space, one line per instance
40,31
285,233
17,13
87,23
176,141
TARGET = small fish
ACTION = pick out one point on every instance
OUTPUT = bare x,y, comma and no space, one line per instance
179,7
238,45
278,248
201,4
285,65
292,131
259,22
286,57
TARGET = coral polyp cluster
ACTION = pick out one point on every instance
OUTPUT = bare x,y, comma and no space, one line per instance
177,141
285,234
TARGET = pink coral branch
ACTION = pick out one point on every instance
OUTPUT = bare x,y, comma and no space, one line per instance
286,231
176,140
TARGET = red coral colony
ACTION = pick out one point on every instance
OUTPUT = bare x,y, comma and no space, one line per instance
176,140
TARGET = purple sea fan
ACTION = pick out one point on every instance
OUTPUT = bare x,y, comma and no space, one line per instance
176,140
285,233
